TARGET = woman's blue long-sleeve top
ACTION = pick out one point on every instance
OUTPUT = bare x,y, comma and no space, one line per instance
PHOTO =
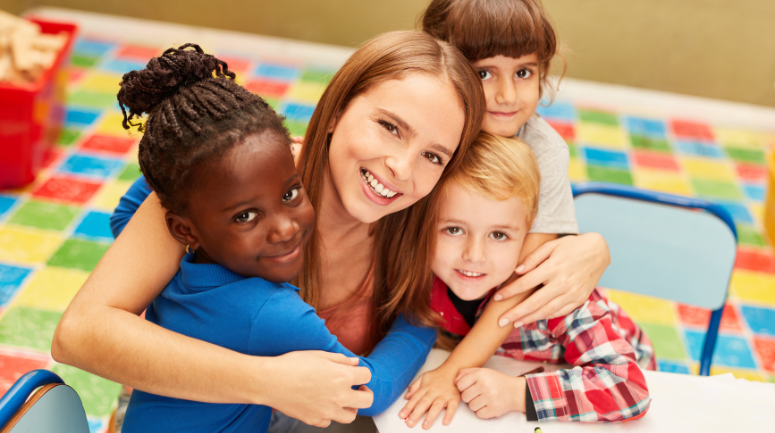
394,361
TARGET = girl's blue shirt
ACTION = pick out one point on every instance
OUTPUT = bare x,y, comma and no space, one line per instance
255,317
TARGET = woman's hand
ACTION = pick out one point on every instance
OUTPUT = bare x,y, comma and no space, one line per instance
316,387
569,268
431,392
491,393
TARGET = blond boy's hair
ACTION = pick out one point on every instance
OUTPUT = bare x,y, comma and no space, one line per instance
500,168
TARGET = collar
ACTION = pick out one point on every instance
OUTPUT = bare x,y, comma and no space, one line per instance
205,275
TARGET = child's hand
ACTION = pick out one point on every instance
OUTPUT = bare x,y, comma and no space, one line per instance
490,393
431,392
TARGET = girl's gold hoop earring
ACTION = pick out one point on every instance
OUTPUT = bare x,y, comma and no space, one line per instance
188,249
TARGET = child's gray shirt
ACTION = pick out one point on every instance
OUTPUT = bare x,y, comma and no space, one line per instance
555,202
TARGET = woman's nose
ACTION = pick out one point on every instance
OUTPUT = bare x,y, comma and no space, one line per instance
401,164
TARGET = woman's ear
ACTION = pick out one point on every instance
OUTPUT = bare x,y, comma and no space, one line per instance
180,228
334,121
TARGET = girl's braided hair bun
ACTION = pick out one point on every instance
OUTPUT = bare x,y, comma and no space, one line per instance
195,113
163,76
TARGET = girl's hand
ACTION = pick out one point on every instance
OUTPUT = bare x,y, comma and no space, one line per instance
491,393
431,392
569,268
317,387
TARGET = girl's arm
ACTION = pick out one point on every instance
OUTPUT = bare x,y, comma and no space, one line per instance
128,205
436,389
569,268
285,323
402,352
101,332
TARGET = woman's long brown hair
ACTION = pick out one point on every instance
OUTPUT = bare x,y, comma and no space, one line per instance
402,275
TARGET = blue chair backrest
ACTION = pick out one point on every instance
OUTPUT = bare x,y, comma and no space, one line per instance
671,247
54,407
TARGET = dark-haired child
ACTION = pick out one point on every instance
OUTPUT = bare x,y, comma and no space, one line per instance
219,159
511,43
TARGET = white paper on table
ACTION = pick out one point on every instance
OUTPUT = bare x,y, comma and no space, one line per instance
680,403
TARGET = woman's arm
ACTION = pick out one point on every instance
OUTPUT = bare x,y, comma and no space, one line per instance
101,332
569,268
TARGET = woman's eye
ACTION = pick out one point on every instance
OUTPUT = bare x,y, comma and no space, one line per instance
291,195
432,157
523,73
393,129
454,231
485,75
246,217
499,236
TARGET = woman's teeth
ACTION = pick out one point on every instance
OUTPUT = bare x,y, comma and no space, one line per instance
375,186
470,274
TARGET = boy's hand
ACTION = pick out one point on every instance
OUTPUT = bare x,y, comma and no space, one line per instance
491,393
431,392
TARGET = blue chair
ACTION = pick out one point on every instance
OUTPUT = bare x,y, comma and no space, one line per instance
662,245
54,407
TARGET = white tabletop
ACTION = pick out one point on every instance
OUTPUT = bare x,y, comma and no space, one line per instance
679,403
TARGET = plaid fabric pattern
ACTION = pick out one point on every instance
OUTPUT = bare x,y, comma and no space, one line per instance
607,351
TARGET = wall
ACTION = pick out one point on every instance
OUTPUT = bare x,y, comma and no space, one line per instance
713,48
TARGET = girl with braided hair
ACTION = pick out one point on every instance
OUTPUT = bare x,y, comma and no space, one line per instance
219,159
396,118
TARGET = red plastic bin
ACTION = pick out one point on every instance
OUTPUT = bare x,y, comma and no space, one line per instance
31,115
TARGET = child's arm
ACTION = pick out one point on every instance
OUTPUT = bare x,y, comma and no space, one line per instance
286,324
435,390
128,205
606,383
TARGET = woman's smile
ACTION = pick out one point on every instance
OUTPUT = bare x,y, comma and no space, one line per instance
377,190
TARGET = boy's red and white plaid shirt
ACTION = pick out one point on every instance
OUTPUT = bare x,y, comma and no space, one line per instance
605,347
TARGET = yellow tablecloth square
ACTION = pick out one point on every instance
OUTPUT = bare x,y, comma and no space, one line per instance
52,288
27,246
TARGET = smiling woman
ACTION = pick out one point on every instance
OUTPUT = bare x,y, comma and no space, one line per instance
402,111
390,152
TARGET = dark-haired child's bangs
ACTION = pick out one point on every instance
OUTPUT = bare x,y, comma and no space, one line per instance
491,28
